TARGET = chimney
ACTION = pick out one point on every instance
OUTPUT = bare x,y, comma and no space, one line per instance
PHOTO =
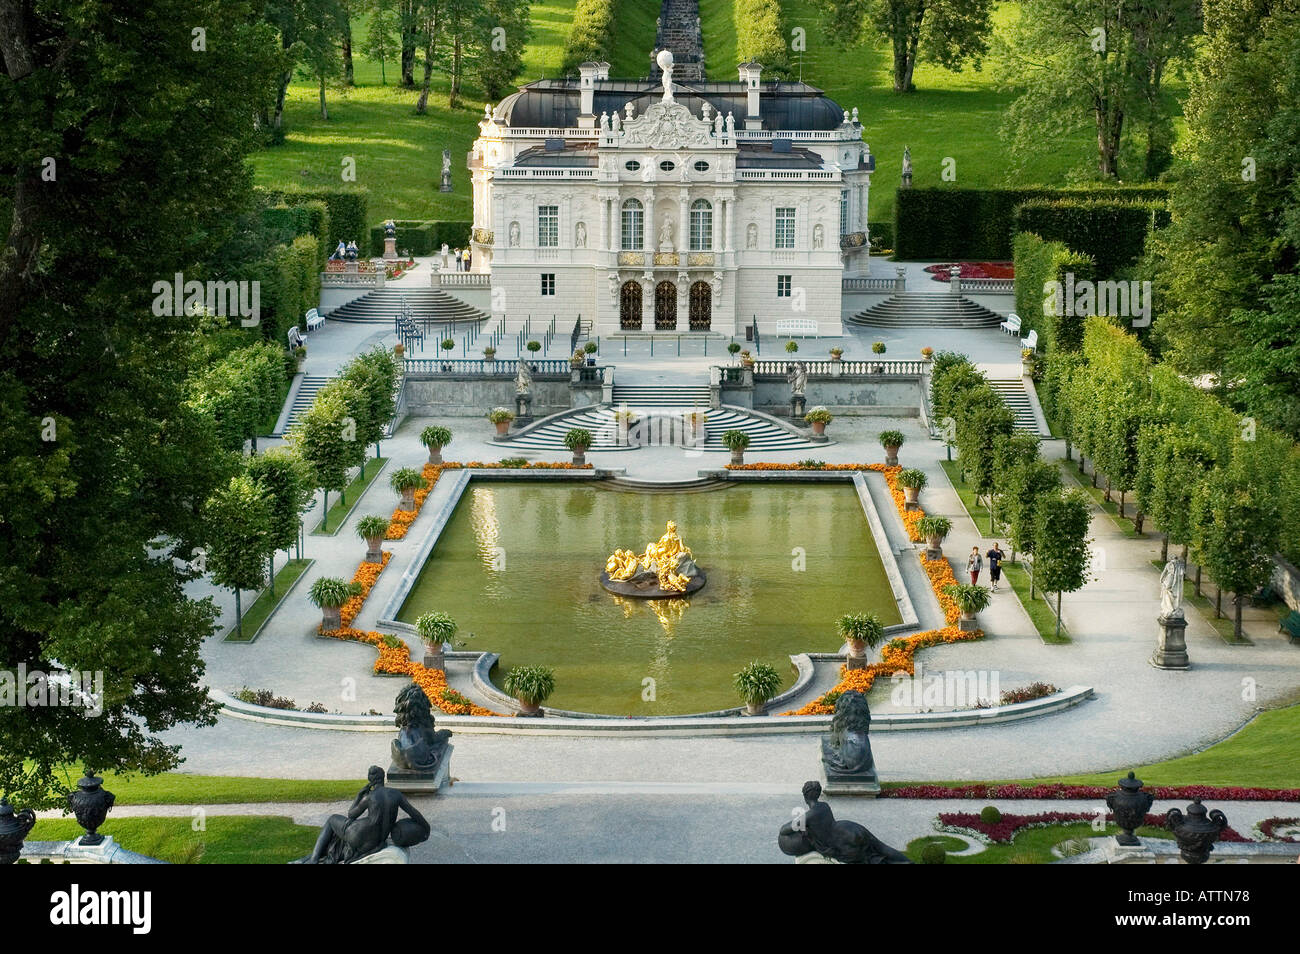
589,74
750,74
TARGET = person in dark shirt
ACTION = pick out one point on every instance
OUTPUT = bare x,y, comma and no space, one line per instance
995,557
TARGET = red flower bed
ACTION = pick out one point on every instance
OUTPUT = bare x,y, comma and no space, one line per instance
1268,828
973,270
1059,790
1004,830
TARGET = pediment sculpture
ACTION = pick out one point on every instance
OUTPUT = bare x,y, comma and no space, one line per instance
667,125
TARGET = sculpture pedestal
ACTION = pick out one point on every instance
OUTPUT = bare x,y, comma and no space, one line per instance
1117,854
390,855
866,784
390,249
406,781
797,405
523,409
967,625
446,182
1171,644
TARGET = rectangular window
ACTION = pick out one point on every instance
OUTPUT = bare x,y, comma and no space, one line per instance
785,228
632,236
783,286
701,226
548,283
844,212
548,226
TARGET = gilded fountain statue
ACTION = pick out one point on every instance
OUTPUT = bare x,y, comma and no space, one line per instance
666,569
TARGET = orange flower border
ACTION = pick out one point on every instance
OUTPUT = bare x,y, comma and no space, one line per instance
396,660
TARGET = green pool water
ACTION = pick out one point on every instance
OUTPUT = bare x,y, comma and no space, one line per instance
518,565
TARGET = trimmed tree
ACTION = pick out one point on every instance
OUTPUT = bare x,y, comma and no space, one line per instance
982,419
1237,529
1024,488
240,520
321,440
1061,544
286,482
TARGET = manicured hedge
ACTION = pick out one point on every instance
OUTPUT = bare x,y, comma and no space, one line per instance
290,285
1112,231
945,224
882,234
347,209
591,38
1037,263
422,237
760,36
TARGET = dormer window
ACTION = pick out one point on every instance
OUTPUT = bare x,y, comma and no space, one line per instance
667,165
701,166
632,166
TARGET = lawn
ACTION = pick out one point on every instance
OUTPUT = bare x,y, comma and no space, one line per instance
1041,613
1030,846
1262,754
227,840
266,602
348,500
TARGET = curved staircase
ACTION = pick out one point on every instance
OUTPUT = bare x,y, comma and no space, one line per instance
385,304
927,310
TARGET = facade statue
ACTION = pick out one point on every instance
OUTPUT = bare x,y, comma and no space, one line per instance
907,167
731,124
514,234
419,747
616,121
665,61
341,252
666,234
580,237
1171,589
717,124
843,841
630,108
524,378
819,233
797,375
846,752
390,229
751,236
369,825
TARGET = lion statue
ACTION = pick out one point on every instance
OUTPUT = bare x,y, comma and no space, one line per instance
419,746
847,751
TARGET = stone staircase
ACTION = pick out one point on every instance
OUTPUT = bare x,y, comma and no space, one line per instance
385,304
927,310
301,401
1012,392
648,396
679,31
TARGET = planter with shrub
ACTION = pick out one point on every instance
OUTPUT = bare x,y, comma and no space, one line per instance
912,481
330,593
819,417
578,439
435,438
501,417
891,441
531,685
757,683
736,442
971,598
862,631
436,630
372,529
406,481
933,530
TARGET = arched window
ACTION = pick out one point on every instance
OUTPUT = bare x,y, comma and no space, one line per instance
701,226
633,226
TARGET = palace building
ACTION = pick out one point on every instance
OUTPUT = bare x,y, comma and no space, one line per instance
662,207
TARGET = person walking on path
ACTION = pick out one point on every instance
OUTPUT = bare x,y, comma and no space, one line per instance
465,259
974,563
996,556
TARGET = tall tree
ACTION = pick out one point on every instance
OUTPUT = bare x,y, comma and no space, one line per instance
381,35
949,32
1061,556
105,465
502,28
318,26
430,29
1081,63
345,39
239,519
408,12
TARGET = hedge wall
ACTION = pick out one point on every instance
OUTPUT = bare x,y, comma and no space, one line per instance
282,224
591,37
946,224
290,277
1038,262
1112,231
760,36
422,237
347,209
882,234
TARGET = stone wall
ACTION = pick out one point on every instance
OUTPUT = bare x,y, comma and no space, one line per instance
1286,580
850,395
471,396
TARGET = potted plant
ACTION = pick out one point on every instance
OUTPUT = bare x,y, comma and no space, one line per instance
757,682
489,353
372,530
501,417
971,598
733,349
736,442
819,417
878,347
791,347
435,438
591,348
578,358
330,593
927,353
448,345
934,529
531,685
578,439
1027,361
694,422
861,631
891,441
436,629
746,359
837,354
399,349
300,353
912,481
406,481
534,346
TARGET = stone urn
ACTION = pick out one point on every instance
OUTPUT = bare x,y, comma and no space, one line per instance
837,357
738,456
1130,805
331,618
374,553
435,656
90,803
14,827
580,455
753,708
819,427
529,709
934,547
435,454
857,658
909,496
967,622
1197,831
399,349
408,500
891,455
503,428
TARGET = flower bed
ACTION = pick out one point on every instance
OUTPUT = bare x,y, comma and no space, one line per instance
400,522
1005,829
1063,790
396,660
527,465
1269,826
973,270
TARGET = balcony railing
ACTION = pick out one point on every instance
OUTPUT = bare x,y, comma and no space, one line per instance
772,369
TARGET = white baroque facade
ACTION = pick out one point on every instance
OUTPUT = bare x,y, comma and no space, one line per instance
648,209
